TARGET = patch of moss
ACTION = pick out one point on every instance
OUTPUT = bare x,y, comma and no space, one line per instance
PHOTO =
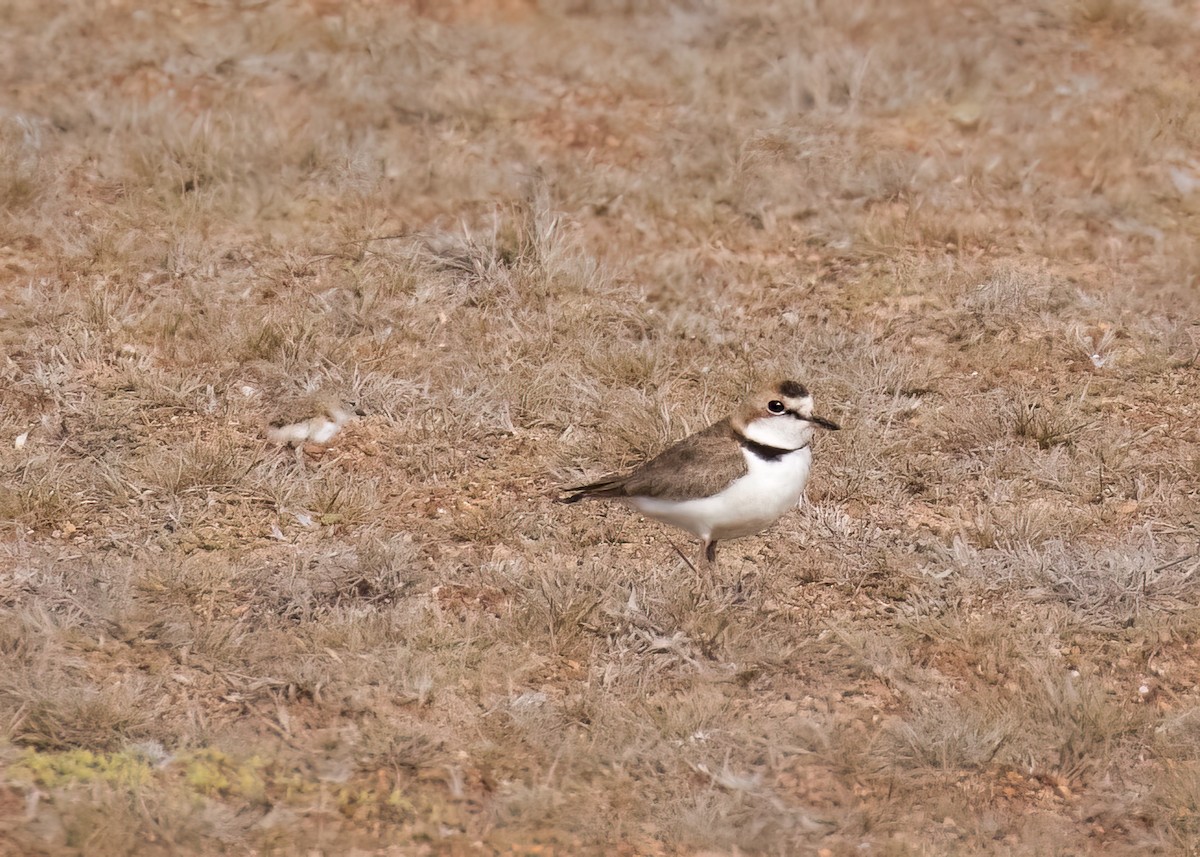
369,804
68,767
213,772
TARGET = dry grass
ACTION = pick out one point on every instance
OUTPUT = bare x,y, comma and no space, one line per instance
537,240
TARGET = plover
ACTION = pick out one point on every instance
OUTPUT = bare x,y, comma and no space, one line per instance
311,420
734,478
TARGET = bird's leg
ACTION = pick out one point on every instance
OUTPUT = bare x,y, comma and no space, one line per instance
710,550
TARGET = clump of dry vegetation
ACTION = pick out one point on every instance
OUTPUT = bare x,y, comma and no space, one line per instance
532,240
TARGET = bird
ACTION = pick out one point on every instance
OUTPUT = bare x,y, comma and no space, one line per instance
733,479
314,419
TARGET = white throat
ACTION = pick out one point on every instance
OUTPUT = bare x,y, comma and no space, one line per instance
785,432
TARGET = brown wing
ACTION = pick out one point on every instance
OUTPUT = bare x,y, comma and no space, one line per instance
697,466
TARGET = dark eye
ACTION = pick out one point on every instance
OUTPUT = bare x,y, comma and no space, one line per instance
776,407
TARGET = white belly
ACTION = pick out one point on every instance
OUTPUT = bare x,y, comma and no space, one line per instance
750,504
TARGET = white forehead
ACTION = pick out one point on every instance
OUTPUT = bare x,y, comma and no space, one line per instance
804,404
797,402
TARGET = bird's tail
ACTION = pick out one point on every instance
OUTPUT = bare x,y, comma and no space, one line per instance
607,487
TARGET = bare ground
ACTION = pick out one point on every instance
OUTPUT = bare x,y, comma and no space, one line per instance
537,242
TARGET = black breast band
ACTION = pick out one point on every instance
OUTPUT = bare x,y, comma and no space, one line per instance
763,451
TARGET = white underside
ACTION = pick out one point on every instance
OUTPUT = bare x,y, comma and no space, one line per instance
749,505
316,430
